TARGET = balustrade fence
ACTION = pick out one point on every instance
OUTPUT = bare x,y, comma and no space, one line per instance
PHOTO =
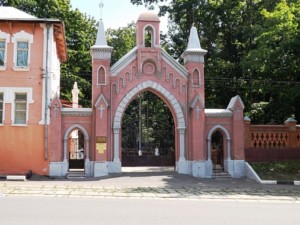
272,142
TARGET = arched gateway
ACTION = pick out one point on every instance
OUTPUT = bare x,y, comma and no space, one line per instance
166,96
147,67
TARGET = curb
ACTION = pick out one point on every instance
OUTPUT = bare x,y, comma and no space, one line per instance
285,182
251,174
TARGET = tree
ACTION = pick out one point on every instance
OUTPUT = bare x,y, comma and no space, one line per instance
253,49
122,40
157,123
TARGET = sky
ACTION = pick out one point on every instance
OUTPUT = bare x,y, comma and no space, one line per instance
115,13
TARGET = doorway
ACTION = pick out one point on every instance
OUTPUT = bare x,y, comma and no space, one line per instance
76,151
148,133
217,150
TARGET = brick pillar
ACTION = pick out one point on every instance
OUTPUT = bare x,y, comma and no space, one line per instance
247,132
291,124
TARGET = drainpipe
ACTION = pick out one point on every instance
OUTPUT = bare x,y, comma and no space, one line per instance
46,96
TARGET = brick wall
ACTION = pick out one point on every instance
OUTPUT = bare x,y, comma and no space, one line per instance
272,142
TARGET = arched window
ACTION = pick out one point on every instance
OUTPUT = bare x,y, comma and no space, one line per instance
148,37
196,78
101,76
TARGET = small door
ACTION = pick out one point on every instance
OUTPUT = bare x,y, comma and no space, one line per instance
76,150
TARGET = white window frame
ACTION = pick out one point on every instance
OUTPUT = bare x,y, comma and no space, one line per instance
4,37
22,36
21,101
11,99
20,51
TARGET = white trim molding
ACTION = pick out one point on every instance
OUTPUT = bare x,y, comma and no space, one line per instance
26,37
6,37
9,97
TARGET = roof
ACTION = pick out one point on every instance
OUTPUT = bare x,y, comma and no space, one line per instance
7,12
148,16
234,101
218,113
11,14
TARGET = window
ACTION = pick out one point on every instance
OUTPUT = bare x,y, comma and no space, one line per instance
2,52
1,108
22,54
4,40
148,37
20,108
196,78
22,47
101,78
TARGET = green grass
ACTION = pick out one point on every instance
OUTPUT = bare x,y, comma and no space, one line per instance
286,170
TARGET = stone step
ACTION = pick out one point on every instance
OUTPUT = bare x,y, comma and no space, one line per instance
220,174
75,175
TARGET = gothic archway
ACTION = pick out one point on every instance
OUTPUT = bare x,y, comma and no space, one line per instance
86,140
148,132
226,136
173,103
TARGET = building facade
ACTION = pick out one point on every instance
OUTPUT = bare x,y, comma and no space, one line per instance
31,51
43,136
147,67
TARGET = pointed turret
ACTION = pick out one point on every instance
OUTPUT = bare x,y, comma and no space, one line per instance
194,52
101,40
101,50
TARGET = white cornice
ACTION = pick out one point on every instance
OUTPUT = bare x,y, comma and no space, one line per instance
218,113
174,64
77,112
124,61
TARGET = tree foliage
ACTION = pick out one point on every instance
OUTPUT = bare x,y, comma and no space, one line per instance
157,123
253,50
122,40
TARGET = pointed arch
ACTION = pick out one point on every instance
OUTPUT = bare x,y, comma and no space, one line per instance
174,104
228,140
196,78
86,139
149,36
101,76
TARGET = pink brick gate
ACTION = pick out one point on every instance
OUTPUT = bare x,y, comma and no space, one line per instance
147,67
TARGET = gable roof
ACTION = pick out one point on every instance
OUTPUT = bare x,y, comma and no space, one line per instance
132,55
234,101
124,61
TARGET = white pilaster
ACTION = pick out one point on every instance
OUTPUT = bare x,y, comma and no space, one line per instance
228,149
116,145
181,144
65,150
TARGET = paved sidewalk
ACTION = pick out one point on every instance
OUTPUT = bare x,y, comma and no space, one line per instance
150,183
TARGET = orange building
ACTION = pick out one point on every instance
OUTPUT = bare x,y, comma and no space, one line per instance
31,51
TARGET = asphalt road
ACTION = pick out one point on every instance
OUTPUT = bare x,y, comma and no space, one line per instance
17,210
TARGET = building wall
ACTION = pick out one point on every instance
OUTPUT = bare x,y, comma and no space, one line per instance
22,149
22,145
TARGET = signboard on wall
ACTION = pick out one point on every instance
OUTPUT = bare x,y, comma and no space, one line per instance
100,144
